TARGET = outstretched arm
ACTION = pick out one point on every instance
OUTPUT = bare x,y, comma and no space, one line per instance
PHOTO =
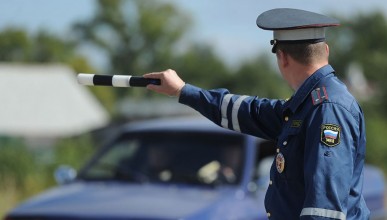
246,114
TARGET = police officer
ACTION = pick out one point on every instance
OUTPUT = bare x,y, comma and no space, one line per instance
320,131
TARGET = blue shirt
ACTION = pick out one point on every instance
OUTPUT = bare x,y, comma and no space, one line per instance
320,136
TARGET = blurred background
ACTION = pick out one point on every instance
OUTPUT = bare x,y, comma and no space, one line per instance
47,119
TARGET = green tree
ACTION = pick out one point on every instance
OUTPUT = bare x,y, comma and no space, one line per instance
15,45
200,66
19,46
136,36
362,39
258,77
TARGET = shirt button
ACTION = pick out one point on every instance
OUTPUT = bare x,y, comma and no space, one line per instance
286,118
268,214
285,143
278,150
270,182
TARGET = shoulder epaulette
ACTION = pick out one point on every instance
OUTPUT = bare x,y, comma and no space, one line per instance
319,95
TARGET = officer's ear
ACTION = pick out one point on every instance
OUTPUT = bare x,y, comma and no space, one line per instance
327,49
282,58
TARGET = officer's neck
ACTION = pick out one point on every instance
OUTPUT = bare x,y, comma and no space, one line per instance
297,73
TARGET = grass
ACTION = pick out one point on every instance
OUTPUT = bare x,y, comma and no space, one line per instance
27,171
9,197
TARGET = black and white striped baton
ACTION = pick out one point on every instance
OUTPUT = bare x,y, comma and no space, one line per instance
115,80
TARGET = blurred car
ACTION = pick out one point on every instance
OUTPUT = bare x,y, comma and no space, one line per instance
172,169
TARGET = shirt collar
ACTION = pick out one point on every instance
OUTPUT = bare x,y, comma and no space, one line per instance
307,87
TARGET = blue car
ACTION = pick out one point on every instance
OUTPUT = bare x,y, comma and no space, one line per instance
185,168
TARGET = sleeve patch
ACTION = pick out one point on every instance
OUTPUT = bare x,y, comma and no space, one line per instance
330,134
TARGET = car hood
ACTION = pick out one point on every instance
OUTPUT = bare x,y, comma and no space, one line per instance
114,200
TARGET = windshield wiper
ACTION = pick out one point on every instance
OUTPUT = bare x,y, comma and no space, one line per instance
115,172
126,173
189,178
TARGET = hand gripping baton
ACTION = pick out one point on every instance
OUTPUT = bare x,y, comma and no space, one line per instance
115,80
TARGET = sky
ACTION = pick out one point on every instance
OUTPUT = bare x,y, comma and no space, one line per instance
228,25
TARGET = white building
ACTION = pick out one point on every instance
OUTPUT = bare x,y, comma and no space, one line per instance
45,101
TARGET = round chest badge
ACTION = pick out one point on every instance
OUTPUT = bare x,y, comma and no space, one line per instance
280,162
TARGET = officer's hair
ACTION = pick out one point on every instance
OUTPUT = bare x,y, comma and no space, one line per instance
304,53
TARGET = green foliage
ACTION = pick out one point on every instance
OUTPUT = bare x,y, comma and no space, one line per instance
15,161
15,45
258,77
362,39
137,36
376,143
200,66
25,171
74,151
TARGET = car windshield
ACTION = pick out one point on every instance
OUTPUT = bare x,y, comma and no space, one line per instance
175,157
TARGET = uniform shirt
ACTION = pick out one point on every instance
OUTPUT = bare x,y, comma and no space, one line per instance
320,137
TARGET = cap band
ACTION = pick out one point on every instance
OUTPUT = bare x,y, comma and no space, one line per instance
299,34
274,43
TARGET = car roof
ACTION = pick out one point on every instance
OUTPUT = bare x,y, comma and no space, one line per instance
195,123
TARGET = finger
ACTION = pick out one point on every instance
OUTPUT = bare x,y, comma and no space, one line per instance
152,87
152,75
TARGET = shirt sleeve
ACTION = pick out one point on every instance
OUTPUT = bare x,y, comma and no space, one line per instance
246,114
330,152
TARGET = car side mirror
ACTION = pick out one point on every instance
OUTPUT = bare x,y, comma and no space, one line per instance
64,174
